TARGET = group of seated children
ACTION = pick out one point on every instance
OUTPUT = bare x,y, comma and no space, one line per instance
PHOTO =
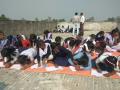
77,52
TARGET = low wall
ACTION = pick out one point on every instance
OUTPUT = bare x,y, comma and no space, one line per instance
25,27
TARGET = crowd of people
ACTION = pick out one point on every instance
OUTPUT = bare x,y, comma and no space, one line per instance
72,51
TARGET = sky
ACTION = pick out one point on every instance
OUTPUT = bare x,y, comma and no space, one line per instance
42,9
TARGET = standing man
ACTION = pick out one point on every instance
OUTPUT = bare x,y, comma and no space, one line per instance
82,21
76,25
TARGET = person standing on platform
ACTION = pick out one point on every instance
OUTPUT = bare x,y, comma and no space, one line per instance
82,21
76,21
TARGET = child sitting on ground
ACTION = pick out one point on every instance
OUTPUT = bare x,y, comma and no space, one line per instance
62,56
106,62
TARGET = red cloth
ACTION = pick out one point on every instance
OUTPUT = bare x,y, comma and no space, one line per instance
25,43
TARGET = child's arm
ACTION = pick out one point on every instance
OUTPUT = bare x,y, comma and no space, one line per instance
109,74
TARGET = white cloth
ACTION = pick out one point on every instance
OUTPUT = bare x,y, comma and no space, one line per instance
76,24
43,52
109,38
31,53
76,19
48,37
3,43
82,19
103,56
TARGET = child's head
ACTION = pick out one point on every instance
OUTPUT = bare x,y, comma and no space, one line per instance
58,40
83,61
1,35
54,47
100,46
89,46
92,36
8,54
41,44
23,60
111,61
115,33
33,37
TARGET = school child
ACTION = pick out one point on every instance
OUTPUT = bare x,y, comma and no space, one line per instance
82,59
47,36
109,63
9,56
112,40
100,36
33,40
62,56
58,40
44,52
3,40
25,42
66,41
27,57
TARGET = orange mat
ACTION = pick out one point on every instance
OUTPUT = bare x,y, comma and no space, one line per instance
66,70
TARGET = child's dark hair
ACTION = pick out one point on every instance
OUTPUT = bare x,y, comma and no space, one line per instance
111,61
8,52
58,40
90,46
33,39
115,31
83,60
23,59
53,45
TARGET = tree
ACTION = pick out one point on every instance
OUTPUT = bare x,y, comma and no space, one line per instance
91,19
36,19
3,18
112,19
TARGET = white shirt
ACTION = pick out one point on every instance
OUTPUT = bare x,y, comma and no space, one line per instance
82,19
103,56
49,36
31,53
44,52
76,19
109,37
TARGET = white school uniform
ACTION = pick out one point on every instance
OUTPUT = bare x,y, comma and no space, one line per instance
31,53
44,52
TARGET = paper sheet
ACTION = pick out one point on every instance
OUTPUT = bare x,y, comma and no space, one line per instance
53,68
72,68
16,67
35,66
118,73
1,65
97,74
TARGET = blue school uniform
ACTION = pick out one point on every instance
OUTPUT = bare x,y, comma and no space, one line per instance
77,57
63,58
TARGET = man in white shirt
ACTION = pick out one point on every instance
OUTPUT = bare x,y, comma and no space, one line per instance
76,21
82,21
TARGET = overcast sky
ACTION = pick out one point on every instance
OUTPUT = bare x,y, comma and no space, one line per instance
30,9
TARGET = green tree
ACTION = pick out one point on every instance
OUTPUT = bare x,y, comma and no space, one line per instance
3,17
112,19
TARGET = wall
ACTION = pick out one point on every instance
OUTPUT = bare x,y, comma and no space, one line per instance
25,27
28,27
